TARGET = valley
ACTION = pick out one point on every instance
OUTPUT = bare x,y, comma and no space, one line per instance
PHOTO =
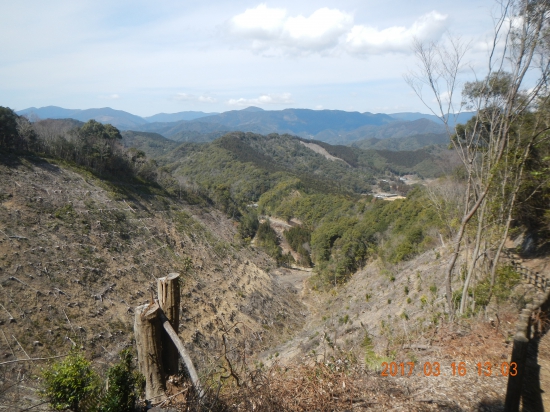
292,265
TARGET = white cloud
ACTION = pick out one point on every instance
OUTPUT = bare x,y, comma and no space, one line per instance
271,31
184,97
284,98
320,31
369,40
259,23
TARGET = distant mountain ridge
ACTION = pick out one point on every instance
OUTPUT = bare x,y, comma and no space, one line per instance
453,119
176,117
118,118
331,126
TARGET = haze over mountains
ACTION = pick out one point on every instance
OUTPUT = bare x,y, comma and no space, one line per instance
331,126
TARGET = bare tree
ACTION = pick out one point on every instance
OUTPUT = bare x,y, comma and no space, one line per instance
496,143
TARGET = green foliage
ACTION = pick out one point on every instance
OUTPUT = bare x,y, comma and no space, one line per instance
299,239
372,360
65,212
341,230
266,234
94,129
249,225
125,385
423,301
8,128
70,383
410,143
267,239
345,232
344,319
506,279
16,132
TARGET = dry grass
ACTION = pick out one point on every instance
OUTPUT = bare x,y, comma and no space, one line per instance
307,387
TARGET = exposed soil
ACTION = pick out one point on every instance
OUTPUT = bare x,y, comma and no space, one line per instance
318,149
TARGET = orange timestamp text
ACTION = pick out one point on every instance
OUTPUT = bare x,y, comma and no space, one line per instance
455,368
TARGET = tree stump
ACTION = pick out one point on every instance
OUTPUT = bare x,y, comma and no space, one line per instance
148,331
169,301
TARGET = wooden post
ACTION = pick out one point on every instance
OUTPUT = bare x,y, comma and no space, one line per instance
147,330
169,301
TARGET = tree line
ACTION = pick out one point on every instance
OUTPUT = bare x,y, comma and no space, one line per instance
93,145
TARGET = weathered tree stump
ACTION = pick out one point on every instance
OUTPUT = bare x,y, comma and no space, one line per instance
148,331
157,341
169,301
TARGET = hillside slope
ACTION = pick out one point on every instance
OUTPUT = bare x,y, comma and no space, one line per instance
77,254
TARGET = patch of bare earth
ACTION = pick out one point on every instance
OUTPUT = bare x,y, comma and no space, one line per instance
318,149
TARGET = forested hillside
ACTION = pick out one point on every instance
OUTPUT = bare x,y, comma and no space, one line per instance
330,197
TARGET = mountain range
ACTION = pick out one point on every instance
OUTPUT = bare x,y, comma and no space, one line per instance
331,126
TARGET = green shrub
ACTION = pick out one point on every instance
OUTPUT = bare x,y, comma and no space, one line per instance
249,225
372,360
423,301
343,320
267,239
70,383
506,279
124,386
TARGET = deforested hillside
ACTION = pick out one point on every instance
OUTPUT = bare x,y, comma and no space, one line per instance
79,253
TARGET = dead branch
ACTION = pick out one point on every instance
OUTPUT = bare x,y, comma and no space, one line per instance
21,346
32,359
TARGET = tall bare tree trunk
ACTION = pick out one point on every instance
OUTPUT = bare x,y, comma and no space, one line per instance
473,262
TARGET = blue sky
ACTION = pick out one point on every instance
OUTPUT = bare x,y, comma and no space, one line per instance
169,56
